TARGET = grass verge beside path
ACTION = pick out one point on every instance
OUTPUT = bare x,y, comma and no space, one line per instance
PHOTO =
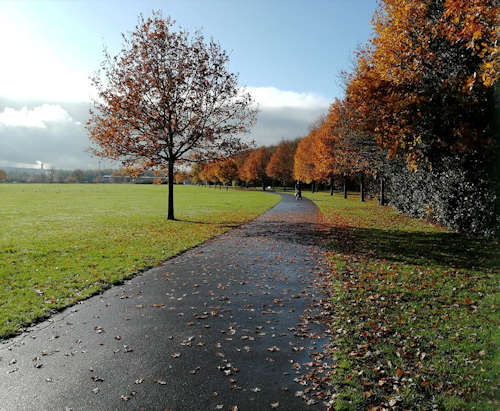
415,311
62,243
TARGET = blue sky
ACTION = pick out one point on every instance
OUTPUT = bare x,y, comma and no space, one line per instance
289,54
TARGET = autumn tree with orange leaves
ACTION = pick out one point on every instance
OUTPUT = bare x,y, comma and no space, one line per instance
180,177
304,167
165,99
424,90
423,86
226,170
280,166
254,167
207,172
331,153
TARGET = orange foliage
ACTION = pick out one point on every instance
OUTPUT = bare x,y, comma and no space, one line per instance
280,166
168,98
304,166
254,167
420,86
226,170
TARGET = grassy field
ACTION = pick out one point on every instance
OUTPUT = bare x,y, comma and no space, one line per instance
417,310
62,243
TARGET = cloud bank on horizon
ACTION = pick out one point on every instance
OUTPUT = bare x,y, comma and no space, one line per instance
53,132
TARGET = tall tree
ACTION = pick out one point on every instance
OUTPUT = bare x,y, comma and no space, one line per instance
180,177
280,166
330,155
424,86
167,98
3,176
207,173
304,166
226,170
254,168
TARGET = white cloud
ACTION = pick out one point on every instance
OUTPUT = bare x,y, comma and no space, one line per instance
274,98
37,117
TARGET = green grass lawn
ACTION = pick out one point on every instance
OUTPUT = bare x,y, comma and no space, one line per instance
62,243
417,310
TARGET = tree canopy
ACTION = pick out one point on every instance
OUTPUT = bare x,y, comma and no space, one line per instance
167,98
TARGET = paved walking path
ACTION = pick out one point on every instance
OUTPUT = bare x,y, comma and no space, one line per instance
213,328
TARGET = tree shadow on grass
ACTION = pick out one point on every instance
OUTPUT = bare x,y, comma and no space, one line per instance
446,249
224,224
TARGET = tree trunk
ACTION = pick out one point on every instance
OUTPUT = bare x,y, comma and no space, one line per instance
263,185
313,186
331,186
362,186
170,190
381,199
345,187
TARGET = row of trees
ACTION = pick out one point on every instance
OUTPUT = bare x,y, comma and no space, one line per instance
53,175
261,166
420,114
419,117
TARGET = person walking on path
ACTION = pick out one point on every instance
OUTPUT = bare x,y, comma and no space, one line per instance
298,191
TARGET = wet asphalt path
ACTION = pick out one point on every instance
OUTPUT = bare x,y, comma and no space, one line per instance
213,328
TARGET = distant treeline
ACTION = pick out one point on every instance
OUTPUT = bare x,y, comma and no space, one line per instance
52,175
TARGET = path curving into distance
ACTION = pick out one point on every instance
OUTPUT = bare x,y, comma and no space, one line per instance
215,326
